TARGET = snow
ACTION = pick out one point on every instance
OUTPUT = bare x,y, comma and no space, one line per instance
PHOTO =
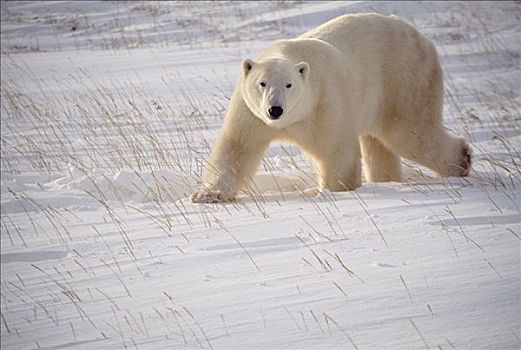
108,113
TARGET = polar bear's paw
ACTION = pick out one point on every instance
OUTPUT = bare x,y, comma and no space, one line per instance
466,159
211,196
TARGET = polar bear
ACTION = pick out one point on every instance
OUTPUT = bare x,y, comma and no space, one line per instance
361,88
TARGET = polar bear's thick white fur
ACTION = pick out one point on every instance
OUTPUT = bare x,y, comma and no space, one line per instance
359,87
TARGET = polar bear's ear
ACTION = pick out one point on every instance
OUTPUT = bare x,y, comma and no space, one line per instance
247,66
303,69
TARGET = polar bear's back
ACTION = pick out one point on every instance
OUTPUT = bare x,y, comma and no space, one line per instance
383,44
370,33
396,61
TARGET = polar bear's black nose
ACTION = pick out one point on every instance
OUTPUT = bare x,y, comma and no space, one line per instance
275,112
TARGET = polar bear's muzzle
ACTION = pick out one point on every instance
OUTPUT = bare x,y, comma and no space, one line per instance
275,112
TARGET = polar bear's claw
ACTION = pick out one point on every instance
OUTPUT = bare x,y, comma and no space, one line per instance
207,196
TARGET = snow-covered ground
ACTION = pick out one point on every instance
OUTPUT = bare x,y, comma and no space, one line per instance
108,112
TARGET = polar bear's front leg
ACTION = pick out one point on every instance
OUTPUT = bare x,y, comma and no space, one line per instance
341,177
232,164
236,153
341,170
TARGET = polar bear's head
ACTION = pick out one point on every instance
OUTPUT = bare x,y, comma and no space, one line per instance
273,89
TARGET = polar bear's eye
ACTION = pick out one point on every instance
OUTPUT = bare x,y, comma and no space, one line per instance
288,86
263,84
